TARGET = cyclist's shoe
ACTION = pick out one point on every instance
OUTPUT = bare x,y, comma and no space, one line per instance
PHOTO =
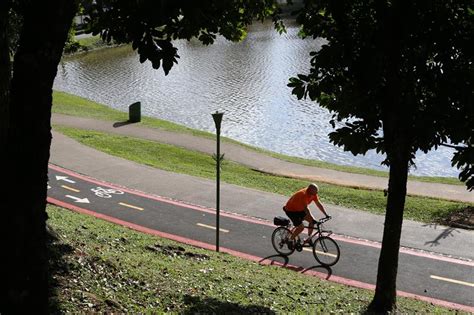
299,246
291,244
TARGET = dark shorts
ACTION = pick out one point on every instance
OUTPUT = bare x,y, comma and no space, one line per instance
295,217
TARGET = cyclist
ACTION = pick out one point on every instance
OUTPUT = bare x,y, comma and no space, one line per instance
297,210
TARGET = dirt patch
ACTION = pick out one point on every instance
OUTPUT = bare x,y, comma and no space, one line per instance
176,251
463,218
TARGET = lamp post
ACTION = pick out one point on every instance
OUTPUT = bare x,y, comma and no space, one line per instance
217,120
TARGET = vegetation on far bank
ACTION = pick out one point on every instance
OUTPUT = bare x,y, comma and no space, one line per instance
86,44
99,267
179,160
65,103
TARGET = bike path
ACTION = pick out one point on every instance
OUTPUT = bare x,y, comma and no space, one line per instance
422,274
72,155
264,162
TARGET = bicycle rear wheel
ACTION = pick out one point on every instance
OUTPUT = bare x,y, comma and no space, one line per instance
326,251
280,239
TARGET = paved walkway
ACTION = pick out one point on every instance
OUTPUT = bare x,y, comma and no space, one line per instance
265,163
70,154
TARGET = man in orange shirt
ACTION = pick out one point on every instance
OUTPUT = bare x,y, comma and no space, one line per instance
297,209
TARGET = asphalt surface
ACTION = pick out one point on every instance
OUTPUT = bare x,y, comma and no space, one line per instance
70,154
420,273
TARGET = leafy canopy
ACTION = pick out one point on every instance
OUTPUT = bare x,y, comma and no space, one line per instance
151,25
428,50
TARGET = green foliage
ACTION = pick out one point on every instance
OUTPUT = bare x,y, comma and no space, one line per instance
152,25
388,64
15,22
464,159
71,44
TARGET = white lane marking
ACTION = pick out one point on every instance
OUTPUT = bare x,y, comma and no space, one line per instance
130,206
70,188
452,281
78,200
319,252
211,227
65,178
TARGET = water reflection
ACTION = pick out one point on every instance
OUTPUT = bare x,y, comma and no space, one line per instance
246,80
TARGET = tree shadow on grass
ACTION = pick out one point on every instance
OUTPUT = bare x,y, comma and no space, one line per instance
455,217
368,311
58,267
198,305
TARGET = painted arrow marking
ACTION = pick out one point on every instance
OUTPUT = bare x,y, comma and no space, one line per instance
65,178
78,200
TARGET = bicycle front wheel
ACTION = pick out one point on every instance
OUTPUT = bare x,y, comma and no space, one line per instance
280,240
326,251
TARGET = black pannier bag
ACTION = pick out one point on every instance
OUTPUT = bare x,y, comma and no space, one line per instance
281,221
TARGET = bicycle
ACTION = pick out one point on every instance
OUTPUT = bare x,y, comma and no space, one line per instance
325,249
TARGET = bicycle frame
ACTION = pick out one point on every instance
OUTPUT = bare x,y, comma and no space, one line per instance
317,226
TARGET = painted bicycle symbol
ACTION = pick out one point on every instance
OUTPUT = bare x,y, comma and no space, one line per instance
106,192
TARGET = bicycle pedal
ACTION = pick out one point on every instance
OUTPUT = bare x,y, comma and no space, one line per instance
299,247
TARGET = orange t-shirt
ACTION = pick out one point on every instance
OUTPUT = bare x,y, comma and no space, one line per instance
300,201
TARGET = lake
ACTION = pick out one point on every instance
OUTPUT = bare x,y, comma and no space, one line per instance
246,80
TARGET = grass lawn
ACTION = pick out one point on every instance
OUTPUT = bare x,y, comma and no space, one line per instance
91,42
184,161
99,267
68,104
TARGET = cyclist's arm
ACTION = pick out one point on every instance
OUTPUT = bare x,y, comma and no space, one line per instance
321,207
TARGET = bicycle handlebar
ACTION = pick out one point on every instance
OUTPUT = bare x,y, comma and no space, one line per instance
324,219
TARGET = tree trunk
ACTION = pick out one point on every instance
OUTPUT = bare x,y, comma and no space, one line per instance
397,122
24,273
397,139
385,292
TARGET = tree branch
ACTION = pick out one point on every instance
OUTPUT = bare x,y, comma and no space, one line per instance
454,146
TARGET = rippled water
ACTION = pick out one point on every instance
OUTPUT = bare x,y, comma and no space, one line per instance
247,81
